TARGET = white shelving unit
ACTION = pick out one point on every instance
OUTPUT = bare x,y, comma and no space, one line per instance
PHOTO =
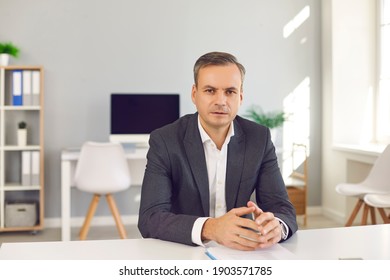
12,190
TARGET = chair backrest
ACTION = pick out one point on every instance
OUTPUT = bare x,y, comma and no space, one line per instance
379,176
102,168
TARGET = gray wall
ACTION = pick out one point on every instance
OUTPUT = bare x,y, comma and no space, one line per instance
90,49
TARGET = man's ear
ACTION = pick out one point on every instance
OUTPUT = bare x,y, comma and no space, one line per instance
193,93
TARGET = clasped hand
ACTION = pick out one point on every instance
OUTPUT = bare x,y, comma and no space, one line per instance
231,230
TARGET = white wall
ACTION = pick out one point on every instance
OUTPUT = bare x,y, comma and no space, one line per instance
90,49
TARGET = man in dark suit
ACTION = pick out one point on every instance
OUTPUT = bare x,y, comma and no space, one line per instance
202,170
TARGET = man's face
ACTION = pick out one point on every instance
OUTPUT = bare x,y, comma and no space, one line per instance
217,96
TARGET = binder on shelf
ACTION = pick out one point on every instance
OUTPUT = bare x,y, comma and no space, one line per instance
27,87
26,168
36,87
17,97
35,168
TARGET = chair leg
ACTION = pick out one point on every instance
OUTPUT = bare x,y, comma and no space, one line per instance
365,214
117,218
386,219
354,213
87,222
373,217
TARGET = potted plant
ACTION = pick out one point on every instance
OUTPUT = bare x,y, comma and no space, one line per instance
272,120
22,133
6,50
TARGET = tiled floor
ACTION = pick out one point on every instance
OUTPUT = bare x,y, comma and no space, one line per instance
110,232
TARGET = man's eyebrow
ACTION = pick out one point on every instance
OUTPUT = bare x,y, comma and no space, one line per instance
231,88
228,88
208,86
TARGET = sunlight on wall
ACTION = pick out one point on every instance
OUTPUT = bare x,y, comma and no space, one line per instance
366,126
383,117
297,127
296,22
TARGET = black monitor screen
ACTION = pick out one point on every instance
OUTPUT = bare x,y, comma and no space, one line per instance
142,113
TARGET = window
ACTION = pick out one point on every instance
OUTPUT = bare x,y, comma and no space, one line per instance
383,97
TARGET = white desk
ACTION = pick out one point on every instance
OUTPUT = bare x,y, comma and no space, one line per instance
137,162
366,242
370,242
118,249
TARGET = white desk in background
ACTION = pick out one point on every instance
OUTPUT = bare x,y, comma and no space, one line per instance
361,242
137,162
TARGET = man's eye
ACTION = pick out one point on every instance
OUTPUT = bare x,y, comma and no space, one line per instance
209,90
230,92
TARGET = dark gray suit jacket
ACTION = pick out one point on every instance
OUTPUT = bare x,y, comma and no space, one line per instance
175,189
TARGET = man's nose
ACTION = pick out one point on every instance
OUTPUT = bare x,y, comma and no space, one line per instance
220,98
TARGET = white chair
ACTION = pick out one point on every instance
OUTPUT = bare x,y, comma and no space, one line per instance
379,201
102,169
377,182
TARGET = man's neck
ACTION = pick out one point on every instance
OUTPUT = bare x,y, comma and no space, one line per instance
217,135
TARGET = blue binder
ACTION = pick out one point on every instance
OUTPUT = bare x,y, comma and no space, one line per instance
17,85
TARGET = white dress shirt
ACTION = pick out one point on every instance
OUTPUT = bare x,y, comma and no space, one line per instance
216,161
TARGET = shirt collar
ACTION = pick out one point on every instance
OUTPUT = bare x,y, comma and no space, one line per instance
205,137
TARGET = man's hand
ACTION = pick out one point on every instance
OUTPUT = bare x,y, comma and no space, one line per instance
269,228
233,231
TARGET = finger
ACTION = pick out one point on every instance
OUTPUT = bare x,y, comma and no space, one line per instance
242,211
269,242
258,210
246,224
250,235
270,226
264,218
239,242
273,236
248,239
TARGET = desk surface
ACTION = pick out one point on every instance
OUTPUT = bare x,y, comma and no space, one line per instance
366,242
128,249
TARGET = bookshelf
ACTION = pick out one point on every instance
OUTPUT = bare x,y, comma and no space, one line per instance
21,165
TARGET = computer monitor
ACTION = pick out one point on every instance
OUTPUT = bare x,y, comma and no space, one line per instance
134,115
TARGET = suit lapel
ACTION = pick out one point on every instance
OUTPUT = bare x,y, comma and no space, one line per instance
196,158
235,165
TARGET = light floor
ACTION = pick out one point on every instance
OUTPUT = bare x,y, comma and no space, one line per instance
110,232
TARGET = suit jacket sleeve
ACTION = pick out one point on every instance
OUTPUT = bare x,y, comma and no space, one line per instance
165,210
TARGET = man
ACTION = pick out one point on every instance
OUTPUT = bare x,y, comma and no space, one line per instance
203,168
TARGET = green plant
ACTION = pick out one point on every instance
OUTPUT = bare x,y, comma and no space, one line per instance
270,119
22,125
10,49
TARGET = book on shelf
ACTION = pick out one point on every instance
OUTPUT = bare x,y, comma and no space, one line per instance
26,168
35,167
27,87
36,87
17,86
30,168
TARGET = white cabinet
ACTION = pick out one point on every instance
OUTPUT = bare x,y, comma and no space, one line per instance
21,162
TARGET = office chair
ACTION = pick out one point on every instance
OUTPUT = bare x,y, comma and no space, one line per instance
379,201
296,182
377,182
102,169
